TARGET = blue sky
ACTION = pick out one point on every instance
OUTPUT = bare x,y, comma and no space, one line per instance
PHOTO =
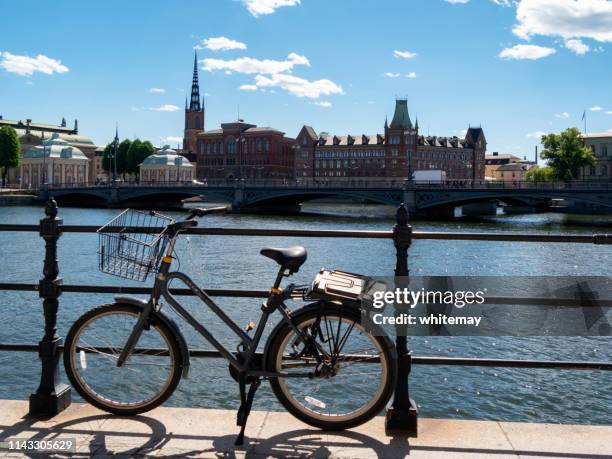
516,68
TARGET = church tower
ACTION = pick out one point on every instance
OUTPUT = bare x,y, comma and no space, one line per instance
194,113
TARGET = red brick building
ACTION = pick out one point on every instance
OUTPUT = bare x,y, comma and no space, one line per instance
241,150
397,153
238,149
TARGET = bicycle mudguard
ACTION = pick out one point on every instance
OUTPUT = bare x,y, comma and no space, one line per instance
167,321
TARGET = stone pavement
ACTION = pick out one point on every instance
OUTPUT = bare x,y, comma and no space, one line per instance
191,432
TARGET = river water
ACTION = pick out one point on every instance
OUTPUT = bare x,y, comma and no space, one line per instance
234,262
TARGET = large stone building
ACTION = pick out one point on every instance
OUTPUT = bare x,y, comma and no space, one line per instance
507,167
166,165
601,144
395,154
32,135
53,162
238,149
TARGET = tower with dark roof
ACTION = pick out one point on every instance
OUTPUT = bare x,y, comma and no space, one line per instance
401,141
194,112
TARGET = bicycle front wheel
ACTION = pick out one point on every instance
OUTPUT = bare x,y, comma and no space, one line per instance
146,379
353,382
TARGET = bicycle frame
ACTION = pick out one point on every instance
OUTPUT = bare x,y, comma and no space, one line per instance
161,289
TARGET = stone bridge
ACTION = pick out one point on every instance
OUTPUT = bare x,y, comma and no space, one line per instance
287,196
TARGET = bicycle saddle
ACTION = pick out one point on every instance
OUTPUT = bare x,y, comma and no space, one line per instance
290,258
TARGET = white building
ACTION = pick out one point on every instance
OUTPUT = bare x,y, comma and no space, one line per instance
601,144
166,165
55,162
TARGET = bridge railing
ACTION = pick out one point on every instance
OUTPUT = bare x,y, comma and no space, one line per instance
52,397
356,183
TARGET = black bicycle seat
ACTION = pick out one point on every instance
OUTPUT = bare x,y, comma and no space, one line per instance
290,258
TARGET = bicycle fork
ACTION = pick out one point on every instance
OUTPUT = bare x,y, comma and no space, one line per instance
141,324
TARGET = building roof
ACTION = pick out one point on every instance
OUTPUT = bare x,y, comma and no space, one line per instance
513,167
55,147
166,157
349,140
36,126
242,129
597,135
401,118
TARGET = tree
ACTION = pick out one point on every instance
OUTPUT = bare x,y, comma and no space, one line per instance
137,153
540,174
566,154
122,157
10,149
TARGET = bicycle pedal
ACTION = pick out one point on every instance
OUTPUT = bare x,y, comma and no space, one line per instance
250,326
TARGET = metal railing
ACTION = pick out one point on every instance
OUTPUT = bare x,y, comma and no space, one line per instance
352,183
51,396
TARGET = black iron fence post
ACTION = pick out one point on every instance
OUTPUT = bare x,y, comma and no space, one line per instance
51,396
402,414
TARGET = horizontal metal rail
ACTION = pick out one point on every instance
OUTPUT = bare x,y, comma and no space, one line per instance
417,360
501,237
119,289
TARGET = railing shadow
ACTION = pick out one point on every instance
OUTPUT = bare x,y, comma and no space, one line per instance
104,435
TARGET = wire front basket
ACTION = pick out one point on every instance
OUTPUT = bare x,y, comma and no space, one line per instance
132,244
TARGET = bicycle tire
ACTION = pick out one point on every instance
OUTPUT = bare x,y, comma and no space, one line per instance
80,386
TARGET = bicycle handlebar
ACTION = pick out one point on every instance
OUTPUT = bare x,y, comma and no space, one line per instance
199,212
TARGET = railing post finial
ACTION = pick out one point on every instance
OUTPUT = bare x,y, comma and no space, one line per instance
51,396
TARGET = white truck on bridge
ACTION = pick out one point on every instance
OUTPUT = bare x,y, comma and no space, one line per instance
430,175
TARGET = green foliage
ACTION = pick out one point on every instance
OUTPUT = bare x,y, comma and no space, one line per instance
566,154
129,156
540,174
10,150
122,157
137,153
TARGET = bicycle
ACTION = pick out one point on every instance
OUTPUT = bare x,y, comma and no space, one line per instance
128,357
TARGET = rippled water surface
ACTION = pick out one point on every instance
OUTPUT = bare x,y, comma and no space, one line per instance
234,262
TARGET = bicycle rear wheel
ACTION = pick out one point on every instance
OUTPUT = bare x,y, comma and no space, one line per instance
145,380
357,376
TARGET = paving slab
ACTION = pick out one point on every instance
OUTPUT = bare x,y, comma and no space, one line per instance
204,433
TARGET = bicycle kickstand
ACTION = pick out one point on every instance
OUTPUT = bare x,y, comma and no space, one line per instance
246,401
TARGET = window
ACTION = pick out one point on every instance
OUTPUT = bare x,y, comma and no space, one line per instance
592,170
604,150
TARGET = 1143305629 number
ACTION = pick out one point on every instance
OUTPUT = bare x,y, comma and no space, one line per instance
35,445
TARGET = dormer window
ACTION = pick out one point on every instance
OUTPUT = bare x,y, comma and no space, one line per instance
350,140
336,140
365,140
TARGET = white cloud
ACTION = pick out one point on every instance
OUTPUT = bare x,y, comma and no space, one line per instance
531,52
392,75
564,18
165,108
502,2
27,66
404,54
221,44
562,115
263,7
172,139
248,87
158,90
609,112
596,108
455,2
299,87
324,104
536,134
577,46
411,75
250,65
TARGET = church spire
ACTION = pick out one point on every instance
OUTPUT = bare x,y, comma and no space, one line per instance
194,104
